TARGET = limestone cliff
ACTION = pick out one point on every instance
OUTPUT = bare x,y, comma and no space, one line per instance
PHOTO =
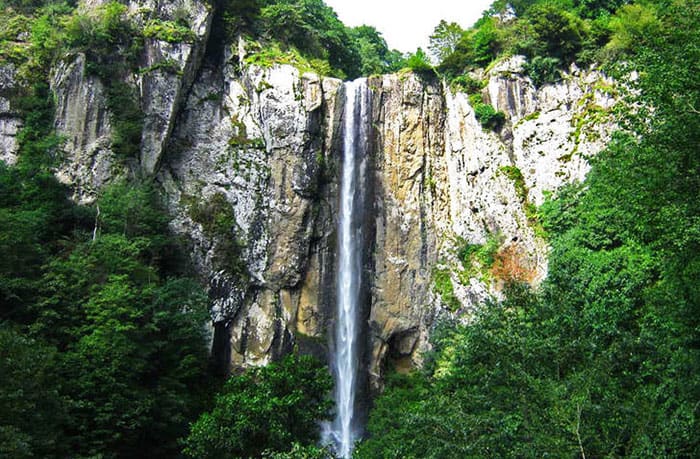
248,158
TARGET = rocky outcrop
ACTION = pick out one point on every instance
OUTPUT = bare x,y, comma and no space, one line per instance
166,72
497,178
411,204
260,142
10,120
442,182
83,121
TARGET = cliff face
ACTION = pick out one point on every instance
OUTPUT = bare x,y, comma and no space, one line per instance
248,158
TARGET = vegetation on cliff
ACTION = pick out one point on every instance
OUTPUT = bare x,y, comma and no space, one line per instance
552,34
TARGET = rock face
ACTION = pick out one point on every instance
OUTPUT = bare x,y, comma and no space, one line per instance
167,70
255,141
411,208
10,121
248,159
83,120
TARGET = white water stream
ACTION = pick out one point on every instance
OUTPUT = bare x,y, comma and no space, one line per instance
344,430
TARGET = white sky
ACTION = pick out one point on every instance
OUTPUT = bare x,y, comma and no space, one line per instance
407,24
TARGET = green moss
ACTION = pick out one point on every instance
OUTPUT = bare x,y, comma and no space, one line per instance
521,190
240,138
218,222
166,65
532,116
263,86
590,115
169,31
442,283
514,174
211,97
274,55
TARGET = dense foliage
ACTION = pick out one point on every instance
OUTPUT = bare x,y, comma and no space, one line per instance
103,350
264,410
603,360
312,28
103,347
552,34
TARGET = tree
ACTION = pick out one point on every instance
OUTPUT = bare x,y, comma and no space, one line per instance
604,360
444,39
312,27
32,408
374,52
558,33
420,63
264,409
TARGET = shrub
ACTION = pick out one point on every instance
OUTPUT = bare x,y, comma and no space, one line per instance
443,286
419,63
542,70
169,31
465,83
127,120
513,173
483,254
264,409
489,117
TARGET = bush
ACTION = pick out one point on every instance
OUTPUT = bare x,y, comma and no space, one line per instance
127,119
419,63
489,117
465,83
483,254
558,33
443,286
31,406
169,31
266,409
542,70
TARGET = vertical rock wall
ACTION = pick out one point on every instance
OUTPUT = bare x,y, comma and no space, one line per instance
410,210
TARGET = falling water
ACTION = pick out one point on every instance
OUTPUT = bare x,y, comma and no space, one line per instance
344,430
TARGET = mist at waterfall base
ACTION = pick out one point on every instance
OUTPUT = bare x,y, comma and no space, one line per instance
344,430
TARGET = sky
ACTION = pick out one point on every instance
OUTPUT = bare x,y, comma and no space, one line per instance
407,24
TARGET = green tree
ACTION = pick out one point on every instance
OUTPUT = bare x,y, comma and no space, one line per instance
420,63
444,39
604,360
32,408
558,33
264,409
374,52
314,28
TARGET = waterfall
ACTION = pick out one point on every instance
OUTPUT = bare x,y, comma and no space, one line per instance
345,360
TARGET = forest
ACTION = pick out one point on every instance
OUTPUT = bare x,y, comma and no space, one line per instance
103,336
